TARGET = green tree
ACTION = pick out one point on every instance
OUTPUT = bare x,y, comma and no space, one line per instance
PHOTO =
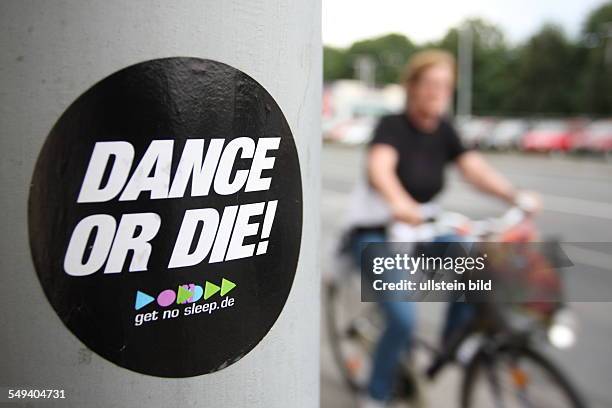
492,61
389,53
335,64
546,74
595,94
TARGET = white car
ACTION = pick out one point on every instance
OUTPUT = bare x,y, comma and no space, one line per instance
506,134
474,130
353,131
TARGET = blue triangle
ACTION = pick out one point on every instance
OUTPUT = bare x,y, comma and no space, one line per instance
142,299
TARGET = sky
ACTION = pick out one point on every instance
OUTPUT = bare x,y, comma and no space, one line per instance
345,21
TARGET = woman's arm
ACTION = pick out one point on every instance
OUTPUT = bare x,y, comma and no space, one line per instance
479,173
382,164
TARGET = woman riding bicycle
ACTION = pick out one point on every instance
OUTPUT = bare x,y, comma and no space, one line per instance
405,166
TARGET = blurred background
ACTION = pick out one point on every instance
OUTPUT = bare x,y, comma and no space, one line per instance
534,94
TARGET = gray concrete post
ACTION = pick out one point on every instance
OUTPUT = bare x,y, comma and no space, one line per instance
52,51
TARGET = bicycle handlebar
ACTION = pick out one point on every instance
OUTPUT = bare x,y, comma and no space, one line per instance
446,223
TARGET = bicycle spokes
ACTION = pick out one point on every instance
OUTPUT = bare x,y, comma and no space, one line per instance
521,381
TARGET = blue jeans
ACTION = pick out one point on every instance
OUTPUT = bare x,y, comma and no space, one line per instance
457,313
401,320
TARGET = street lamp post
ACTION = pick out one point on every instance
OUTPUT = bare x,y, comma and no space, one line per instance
465,56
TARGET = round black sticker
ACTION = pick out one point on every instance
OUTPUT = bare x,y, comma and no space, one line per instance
165,216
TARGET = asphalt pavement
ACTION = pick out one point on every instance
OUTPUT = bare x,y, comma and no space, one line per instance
577,197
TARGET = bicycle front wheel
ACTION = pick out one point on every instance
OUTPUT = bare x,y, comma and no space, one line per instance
517,377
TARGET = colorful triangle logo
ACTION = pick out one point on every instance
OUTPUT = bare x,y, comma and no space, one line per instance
210,289
183,295
142,299
226,286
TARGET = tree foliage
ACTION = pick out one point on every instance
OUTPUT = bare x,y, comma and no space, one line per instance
389,53
596,76
547,74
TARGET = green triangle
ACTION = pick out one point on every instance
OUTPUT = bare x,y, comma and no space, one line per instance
210,289
226,286
183,295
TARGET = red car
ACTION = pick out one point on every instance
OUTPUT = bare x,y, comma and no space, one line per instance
548,136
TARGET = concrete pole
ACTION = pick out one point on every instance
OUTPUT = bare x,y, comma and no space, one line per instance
465,51
365,69
607,36
52,51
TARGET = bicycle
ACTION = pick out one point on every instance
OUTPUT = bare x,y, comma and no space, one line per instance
499,351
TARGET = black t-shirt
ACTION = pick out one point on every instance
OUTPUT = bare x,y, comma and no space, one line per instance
422,156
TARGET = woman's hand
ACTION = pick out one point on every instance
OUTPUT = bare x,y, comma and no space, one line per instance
406,211
528,201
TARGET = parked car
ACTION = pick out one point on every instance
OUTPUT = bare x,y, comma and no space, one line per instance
356,127
549,136
375,110
596,137
353,131
474,130
506,135
329,124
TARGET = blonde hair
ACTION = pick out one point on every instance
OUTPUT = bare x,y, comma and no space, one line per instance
423,60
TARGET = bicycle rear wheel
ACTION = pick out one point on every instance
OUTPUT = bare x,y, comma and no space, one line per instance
517,377
353,328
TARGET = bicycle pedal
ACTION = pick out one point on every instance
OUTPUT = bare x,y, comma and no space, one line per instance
434,368
352,331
